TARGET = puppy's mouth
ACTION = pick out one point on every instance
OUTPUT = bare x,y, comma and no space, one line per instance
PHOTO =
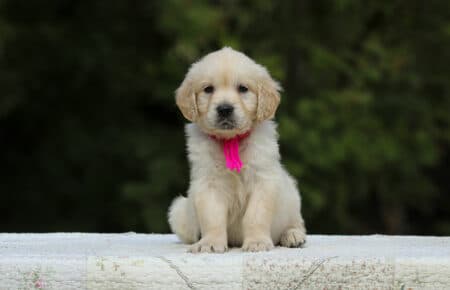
226,124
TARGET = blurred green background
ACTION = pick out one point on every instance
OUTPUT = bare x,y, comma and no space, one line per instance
91,140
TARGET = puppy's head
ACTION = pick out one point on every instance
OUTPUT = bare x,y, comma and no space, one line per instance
226,93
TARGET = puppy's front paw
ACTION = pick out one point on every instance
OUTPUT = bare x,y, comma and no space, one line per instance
293,238
208,246
257,245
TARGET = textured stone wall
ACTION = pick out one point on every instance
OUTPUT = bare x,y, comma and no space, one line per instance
138,261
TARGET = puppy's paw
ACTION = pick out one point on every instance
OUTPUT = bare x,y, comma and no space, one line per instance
257,245
293,238
208,246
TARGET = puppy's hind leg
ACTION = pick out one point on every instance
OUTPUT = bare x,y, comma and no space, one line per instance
183,220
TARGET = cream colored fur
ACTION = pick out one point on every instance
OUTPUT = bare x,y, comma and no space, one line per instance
258,207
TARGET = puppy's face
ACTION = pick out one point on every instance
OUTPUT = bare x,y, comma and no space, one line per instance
226,93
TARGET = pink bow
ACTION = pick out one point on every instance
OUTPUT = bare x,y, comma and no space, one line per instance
231,151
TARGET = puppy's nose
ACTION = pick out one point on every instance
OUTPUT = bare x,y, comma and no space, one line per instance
224,110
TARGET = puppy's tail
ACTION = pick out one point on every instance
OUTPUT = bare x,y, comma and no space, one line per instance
183,220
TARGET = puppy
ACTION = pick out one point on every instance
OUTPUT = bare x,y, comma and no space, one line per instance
239,193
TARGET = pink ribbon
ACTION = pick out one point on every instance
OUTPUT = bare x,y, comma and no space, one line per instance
231,151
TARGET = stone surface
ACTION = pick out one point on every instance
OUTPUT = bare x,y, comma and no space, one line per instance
140,261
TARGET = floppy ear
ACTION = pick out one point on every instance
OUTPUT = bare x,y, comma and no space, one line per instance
268,98
185,99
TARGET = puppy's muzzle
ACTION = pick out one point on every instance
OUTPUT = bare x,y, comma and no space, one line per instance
225,116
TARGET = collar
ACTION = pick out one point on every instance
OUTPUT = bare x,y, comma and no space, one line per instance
239,137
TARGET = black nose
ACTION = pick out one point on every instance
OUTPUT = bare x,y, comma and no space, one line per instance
224,110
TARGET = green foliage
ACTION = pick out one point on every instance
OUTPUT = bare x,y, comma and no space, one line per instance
91,139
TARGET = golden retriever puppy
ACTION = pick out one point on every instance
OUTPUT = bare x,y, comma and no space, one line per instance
239,193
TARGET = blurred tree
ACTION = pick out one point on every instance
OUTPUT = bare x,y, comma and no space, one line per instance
91,139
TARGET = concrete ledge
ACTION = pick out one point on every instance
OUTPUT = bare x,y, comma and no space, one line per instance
138,261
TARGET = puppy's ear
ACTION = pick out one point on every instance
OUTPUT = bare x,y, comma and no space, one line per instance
268,98
185,99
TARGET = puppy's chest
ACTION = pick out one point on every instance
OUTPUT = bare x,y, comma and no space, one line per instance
238,193
239,184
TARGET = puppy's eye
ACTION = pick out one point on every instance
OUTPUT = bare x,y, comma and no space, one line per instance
208,89
242,89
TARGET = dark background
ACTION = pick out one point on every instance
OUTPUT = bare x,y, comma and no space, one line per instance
91,140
